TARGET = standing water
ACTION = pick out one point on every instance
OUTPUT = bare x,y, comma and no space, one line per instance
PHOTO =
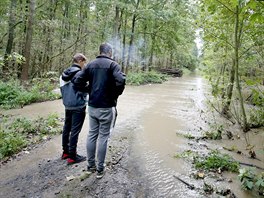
174,108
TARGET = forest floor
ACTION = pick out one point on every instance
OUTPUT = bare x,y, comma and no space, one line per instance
39,172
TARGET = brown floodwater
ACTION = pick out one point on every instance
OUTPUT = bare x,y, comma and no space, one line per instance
175,108
162,114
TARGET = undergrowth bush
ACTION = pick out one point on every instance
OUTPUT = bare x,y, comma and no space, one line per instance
15,134
250,180
141,78
13,94
216,161
256,117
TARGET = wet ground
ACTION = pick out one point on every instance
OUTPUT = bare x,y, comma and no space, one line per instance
152,120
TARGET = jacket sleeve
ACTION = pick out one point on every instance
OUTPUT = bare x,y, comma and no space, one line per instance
120,78
80,81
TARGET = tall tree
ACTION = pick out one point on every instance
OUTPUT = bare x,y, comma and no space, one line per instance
28,41
11,31
236,14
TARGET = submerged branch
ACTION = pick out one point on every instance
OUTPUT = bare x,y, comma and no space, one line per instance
191,186
251,165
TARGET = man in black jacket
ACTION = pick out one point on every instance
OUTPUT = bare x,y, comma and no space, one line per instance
106,83
75,104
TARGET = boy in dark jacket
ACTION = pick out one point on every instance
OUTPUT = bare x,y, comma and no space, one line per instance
75,104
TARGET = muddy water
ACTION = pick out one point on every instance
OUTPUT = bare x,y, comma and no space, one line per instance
173,111
177,107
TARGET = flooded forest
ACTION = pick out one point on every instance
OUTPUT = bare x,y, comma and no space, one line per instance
190,121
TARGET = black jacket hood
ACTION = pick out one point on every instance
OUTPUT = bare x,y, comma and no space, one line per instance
69,73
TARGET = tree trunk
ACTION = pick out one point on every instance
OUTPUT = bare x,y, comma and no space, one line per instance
131,42
237,45
116,33
80,26
144,53
124,68
11,32
229,90
153,43
28,42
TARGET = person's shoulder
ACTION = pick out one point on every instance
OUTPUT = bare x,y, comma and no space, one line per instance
114,64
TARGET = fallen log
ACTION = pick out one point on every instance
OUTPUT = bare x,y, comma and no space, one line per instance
173,72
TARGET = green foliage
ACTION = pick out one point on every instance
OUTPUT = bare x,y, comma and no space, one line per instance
11,143
212,135
247,176
20,132
140,78
13,95
216,161
52,120
189,136
250,180
186,154
218,20
163,29
23,126
260,184
215,132
258,97
256,117
17,58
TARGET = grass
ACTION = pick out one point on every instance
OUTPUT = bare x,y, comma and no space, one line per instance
18,133
14,95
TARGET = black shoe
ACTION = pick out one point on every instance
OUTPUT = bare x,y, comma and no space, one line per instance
91,169
76,159
100,174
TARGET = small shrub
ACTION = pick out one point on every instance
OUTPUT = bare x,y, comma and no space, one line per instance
246,177
256,117
250,180
13,95
216,161
23,125
11,143
189,136
186,154
145,78
215,132
260,184
20,132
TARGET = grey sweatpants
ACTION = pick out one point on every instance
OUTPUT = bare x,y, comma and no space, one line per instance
101,121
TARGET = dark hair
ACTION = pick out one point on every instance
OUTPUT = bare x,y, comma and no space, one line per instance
105,48
79,57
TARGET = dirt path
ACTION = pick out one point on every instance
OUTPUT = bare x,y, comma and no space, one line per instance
139,161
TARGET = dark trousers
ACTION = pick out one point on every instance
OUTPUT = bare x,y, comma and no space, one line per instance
72,127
